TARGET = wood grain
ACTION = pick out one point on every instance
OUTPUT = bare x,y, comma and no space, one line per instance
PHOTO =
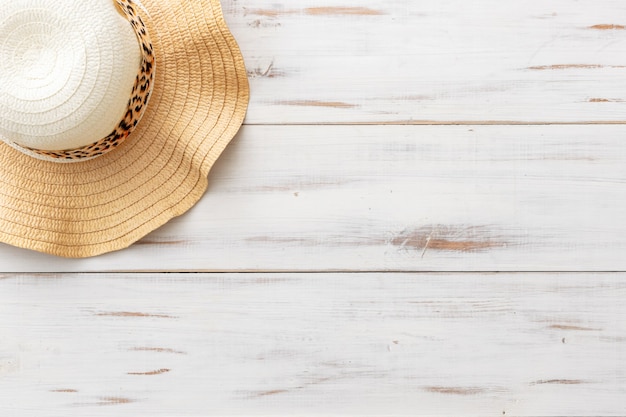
309,344
432,61
395,198
382,137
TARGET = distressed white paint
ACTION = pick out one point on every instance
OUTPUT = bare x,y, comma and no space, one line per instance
398,198
320,61
487,197
310,344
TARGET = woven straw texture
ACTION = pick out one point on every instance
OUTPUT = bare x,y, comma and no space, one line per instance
198,103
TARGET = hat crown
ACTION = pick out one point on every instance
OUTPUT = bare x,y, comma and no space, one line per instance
67,70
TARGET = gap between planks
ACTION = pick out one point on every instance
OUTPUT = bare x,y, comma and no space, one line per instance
448,123
8,275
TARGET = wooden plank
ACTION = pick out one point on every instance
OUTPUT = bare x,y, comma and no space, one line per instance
313,344
408,61
396,198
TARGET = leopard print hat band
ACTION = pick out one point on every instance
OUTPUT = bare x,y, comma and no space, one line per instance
73,86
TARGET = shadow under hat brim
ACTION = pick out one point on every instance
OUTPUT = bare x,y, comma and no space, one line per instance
198,103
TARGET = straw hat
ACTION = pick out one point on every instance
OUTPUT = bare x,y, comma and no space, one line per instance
112,113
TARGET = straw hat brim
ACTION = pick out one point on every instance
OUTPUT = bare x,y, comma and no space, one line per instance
197,105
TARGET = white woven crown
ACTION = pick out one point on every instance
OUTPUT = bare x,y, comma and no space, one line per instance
67,69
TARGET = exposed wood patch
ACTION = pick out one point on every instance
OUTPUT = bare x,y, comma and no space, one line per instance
417,97
607,27
324,379
265,23
447,238
311,382
360,11
317,103
115,401
432,237
572,66
454,390
134,314
272,392
68,390
558,381
267,12
458,245
104,401
286,240
605,100
155,372
266,72
571,327
157,349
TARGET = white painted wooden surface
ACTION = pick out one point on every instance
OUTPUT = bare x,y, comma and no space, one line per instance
433,61
310,344
394,198
382,137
